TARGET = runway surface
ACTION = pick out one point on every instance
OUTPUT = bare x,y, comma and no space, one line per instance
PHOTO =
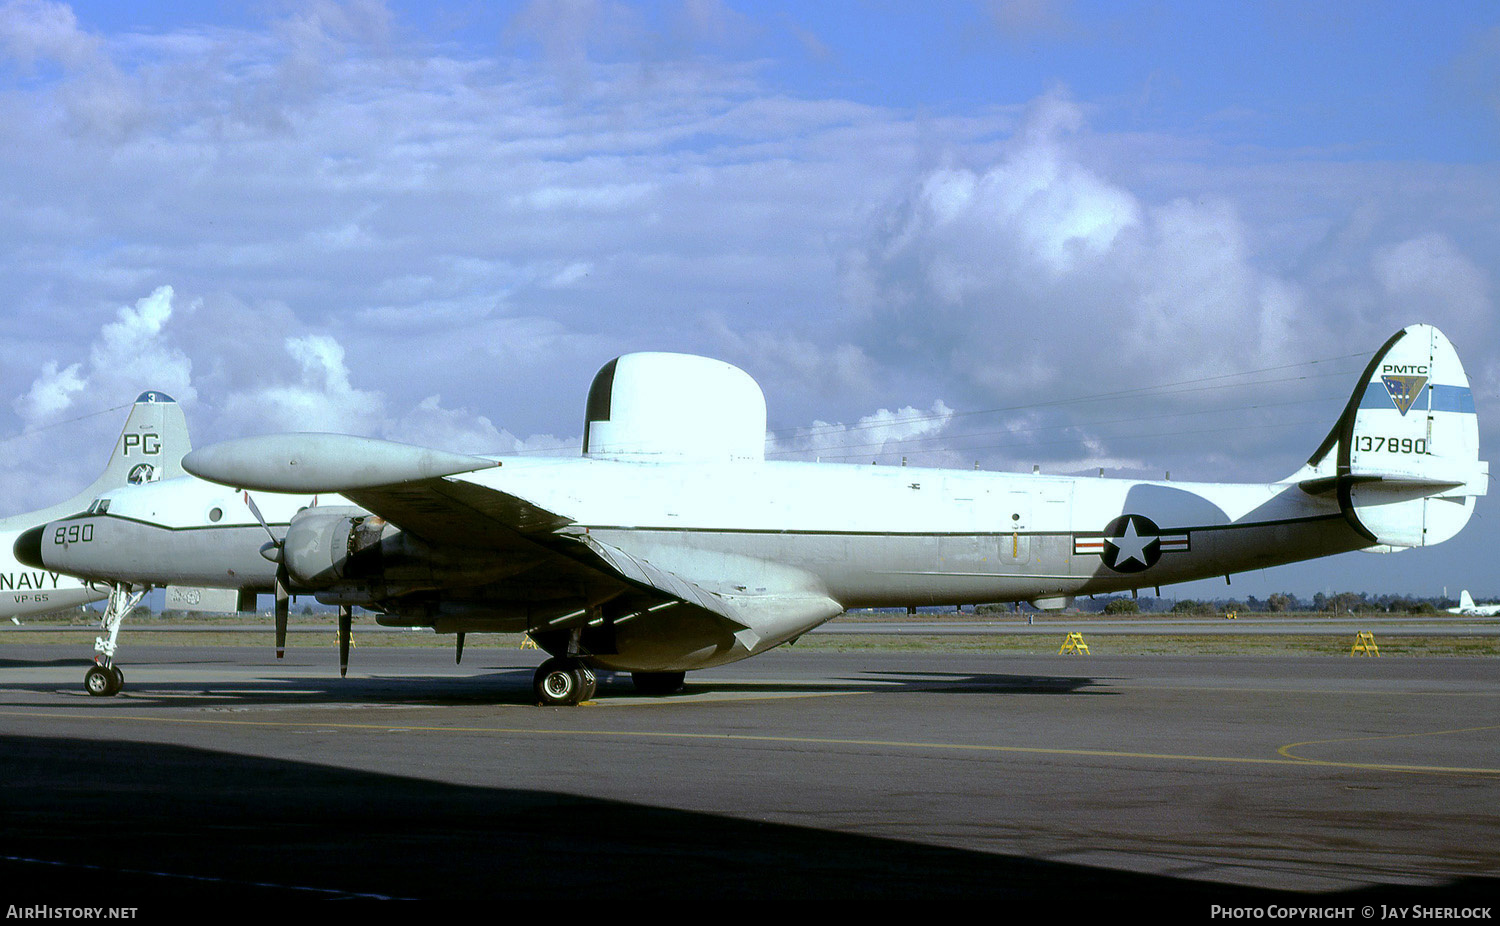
222,774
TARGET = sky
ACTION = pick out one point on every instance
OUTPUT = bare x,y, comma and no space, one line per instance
1137,238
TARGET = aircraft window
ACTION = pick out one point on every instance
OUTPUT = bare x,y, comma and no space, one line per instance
103,506
216,514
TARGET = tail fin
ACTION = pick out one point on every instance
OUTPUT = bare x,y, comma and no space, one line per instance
1403,459
150,447
1465,602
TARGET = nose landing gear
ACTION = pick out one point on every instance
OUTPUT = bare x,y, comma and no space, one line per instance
105,679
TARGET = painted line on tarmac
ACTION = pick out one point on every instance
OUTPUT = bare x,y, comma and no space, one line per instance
1380,766
1341,692
1286,759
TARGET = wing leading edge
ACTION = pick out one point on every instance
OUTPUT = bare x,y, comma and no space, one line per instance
569,579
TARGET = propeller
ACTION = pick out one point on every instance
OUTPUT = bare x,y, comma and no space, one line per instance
283,582
346,630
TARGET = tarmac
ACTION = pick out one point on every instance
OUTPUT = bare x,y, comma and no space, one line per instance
1182,781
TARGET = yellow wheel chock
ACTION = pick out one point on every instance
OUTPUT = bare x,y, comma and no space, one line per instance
1364,645
1074,644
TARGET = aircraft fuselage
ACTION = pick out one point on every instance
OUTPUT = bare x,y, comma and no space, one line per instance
865,536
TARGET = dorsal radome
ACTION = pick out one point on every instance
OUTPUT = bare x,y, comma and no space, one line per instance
674,408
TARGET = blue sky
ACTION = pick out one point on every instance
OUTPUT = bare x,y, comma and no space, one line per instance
955,233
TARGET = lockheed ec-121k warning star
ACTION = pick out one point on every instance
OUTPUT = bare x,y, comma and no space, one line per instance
671,544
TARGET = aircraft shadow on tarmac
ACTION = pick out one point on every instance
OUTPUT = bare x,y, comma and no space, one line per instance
43,663
994,683
513,686
120,823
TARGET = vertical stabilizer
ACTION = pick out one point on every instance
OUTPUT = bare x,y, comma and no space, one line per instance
150,447
1403,459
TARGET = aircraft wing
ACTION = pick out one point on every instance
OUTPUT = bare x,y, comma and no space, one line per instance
442,509
414,489
455,512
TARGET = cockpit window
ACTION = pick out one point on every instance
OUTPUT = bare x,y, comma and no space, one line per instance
100,506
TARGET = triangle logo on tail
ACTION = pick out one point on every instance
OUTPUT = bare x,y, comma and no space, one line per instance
1404,390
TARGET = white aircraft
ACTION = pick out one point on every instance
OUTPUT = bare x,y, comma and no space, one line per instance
150,448
1466,605
673,545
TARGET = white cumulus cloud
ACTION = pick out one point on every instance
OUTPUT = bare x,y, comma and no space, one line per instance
130,354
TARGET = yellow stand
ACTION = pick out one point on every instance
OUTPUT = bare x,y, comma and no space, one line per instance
1364,644
1074,644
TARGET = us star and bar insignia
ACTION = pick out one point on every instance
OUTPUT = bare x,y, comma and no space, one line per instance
1131,543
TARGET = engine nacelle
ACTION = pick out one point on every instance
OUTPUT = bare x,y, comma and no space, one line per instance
351,548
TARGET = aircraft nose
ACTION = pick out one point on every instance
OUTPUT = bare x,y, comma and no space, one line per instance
28,548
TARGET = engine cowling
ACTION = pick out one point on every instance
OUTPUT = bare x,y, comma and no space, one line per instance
353,550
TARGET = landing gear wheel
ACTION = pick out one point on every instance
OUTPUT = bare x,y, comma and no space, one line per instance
119,678
101,682
563,682
658,683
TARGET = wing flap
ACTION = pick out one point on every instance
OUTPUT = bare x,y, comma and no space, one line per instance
642,574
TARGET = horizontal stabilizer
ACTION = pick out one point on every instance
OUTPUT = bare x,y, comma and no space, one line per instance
317,463
1328,485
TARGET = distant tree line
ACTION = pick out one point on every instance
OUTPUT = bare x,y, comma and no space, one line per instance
1339,603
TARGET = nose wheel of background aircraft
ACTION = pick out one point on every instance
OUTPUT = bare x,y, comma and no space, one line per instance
105,679
563,681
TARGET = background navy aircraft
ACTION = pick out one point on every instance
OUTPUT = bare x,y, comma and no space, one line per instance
1466,605
672,545
150,448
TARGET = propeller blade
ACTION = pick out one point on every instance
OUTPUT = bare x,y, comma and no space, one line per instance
346,630
255,510
283,605
458,657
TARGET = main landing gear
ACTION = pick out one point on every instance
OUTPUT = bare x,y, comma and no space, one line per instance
568,680
105,679
563,680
